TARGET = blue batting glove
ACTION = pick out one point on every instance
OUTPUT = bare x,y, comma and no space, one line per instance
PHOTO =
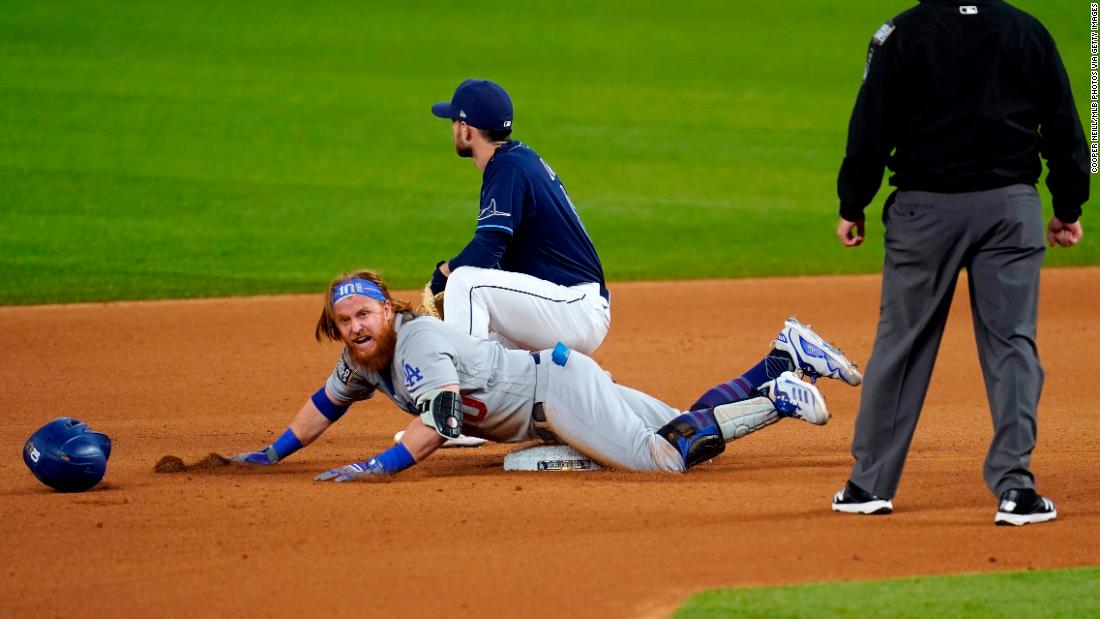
263,457
353,471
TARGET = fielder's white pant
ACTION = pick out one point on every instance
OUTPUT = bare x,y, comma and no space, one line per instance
525,312
612,424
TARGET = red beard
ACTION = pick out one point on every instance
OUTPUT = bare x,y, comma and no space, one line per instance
384,345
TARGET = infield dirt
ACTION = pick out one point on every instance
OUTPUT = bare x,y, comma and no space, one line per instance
456,535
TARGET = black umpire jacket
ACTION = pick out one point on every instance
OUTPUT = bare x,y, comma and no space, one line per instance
967,94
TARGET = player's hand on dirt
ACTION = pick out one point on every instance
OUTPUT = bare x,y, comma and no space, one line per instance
850,233
263,457
353,471
1063,234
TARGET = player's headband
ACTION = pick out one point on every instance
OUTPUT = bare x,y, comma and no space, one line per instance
358,286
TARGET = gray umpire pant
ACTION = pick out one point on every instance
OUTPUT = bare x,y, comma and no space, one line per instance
998,236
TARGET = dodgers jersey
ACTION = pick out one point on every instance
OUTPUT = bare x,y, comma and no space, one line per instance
522,196
497,385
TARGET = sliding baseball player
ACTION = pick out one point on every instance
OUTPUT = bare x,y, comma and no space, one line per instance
451,382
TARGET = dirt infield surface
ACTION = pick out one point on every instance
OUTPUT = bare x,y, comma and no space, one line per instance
456,536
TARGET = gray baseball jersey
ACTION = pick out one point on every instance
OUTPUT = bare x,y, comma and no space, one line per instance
497,385
612,424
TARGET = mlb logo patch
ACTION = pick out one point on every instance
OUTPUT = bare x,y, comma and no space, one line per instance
883,33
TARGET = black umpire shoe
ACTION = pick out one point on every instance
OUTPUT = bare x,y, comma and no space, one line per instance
854,500
1024,506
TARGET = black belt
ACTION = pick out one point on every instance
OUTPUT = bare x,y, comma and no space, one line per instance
538,415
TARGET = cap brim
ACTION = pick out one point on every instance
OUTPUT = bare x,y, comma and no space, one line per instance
442,110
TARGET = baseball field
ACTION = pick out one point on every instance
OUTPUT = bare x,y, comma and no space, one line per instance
178,181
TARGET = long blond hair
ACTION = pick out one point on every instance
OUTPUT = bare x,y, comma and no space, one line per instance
326,324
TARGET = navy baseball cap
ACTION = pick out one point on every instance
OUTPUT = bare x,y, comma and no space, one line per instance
478,103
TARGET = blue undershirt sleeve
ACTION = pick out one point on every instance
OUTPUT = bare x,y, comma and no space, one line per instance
484,250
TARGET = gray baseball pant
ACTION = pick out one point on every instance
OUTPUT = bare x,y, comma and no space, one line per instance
998,236
612,424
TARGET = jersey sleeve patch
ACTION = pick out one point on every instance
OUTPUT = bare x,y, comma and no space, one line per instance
492,217
347,384
343,372
883,33
502,197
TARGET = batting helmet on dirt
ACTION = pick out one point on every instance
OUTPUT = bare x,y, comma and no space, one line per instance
66,455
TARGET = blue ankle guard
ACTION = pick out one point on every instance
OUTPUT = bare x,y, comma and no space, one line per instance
695,435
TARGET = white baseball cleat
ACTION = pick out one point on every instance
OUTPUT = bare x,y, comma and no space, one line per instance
814,356
794,397
462,441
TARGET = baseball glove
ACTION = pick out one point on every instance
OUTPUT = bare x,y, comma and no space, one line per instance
430,304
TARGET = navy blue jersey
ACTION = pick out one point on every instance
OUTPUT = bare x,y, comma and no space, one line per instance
522,197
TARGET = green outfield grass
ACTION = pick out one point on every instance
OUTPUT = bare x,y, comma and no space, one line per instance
208,148
1068,593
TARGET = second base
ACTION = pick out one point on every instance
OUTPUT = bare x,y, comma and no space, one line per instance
549,458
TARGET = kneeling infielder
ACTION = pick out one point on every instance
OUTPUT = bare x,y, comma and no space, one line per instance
452,382
530,277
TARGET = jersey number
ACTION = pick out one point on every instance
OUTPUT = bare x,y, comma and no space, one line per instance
478,412
565,194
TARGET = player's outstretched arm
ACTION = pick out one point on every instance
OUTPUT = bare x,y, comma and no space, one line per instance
419,441
316,415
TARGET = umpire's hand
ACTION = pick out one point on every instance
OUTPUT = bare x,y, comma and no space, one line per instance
1064,235
850,233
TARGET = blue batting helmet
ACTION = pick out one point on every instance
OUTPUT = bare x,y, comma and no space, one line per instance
66,455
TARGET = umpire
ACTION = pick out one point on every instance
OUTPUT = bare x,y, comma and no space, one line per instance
959,100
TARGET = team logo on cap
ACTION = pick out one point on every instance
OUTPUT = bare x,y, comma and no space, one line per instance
462,113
